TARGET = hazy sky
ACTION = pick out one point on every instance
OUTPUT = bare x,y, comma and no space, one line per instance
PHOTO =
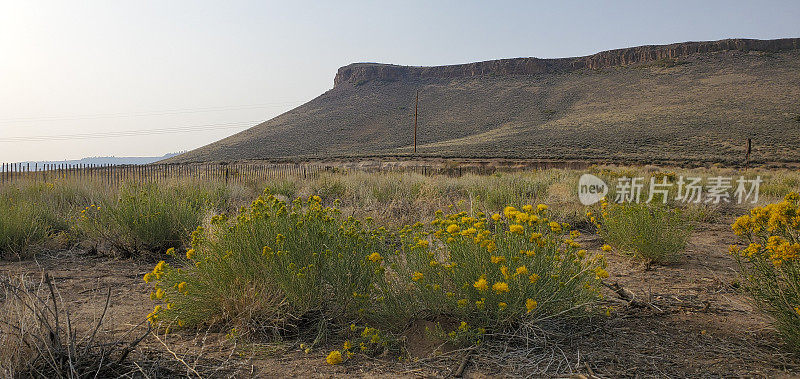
137,71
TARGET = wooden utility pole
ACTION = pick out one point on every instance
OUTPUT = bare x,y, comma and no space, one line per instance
749,149
416,108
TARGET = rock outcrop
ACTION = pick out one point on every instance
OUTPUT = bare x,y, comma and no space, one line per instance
358,73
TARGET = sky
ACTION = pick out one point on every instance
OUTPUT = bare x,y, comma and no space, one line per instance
144,78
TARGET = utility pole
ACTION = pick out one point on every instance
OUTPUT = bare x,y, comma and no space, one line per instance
416,108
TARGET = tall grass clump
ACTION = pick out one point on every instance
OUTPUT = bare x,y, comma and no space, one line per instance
147,218
36,216
649,232
278,266
770,265
23,227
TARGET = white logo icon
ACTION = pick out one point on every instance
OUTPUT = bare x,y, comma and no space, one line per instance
591,189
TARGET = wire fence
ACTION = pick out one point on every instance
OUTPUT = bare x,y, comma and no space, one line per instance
240,172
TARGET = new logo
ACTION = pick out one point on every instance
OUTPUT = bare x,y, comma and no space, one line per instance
591,189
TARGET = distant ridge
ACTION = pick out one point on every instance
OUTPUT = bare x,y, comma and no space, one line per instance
684,103
112,160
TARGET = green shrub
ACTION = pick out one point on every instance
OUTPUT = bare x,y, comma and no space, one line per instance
769,264
329,187
651,232
148,218
24,227
36,216
283,187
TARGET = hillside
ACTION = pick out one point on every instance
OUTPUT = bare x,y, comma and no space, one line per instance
694,101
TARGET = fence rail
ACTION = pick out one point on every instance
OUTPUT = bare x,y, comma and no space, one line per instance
238,172
117,174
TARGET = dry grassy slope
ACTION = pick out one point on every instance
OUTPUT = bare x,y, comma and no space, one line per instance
701,110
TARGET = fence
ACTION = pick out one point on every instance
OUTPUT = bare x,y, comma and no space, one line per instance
116,174
241,171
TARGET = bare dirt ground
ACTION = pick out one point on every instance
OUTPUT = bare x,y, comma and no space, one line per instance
692,321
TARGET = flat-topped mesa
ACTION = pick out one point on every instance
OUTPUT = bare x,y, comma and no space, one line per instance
357,73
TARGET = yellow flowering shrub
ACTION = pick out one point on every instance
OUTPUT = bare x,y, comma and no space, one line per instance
770,262
493,271
276,262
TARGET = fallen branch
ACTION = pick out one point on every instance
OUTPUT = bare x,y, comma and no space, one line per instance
461,367
628,296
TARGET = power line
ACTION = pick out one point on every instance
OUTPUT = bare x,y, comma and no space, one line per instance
132,133
165,112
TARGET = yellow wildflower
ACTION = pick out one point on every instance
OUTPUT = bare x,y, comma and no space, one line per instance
606,248
516,228
481,284
498,259
496,217
375,257
190,254
504,270
182,287
522,270
530,305
453,229
502,305
334,358
417,276
500,287
533,278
